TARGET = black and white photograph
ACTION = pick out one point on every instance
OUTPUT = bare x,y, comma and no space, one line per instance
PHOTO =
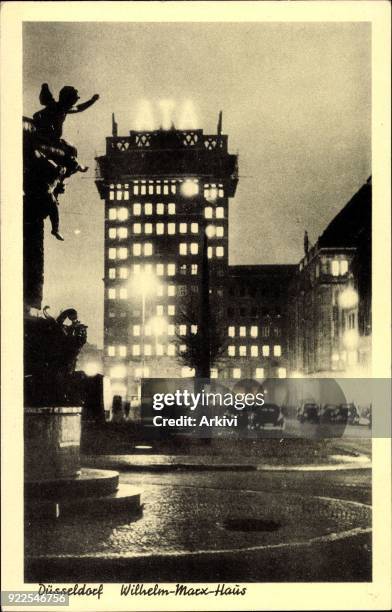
198,306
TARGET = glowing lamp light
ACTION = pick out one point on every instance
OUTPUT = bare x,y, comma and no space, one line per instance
348,298
296,374
144,283
351,339
118,371
91,368
210,231
189,188
211,194
158,325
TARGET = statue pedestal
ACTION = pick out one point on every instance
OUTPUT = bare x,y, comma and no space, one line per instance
52,442
56,486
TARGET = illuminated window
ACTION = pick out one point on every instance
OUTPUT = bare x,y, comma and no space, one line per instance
112,232
126,195
136,189
122,351
282,372
182,330
265,331
266,350
209,252
182,348
214,373
136,330
220,212
111,195
123,293
236,372
194,248
111,351
254,331
171,269
193,329
220,251
171,208
259,372
171,350
112,273
160,269
136,350
148,249
171,310
137,249
160,228
160,291
254,351
194,228
231,350
148,228
194,269
277,350
171,329
187,372
137,228
182,228
335,267
118,195
148,268
171,290
137,209
122,253
123,272
231,331
148,209
118,371
210,193
122,232
160,208
147,330
220,231
159,310
159,349
147,349
242,351
343,266
182,248
112,253
112,214
122,214
208,212
242,331
136,269
171,228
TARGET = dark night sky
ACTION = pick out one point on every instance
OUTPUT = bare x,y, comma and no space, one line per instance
296,101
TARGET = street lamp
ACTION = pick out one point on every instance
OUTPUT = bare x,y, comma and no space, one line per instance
145,284
158,326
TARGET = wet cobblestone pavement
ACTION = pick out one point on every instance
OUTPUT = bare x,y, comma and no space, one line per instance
188,519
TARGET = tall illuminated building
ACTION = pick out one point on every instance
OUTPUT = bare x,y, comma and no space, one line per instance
162,189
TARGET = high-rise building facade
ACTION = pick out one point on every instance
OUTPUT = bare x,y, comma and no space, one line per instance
166,195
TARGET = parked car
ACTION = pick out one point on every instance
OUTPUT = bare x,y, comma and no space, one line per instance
268,416
331,413
308,411
352,413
